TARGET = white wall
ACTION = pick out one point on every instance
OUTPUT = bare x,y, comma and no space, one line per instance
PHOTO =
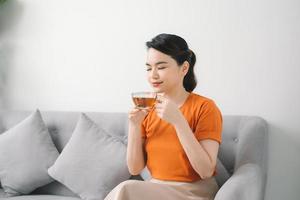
89,56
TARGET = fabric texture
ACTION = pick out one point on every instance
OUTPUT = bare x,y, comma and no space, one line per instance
222,177
43,197
223,174
55,188
237,186
2,194
92,162
166,159
167,190
244,140
26,152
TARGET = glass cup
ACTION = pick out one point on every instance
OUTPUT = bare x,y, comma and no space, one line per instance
144,100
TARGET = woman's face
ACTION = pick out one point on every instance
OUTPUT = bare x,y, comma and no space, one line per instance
163,72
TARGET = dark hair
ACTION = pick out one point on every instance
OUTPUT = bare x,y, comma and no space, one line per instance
177,48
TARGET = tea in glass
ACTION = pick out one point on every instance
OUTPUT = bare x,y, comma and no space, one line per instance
144,100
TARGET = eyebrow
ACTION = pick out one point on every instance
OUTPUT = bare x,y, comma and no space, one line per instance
158,63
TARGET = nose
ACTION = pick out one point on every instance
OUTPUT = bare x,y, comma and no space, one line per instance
154,73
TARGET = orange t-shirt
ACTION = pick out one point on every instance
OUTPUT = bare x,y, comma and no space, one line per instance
166,158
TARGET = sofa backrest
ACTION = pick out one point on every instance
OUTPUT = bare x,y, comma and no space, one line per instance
62,124
244,138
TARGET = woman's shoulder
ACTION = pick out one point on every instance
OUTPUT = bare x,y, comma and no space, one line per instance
201,100
204,104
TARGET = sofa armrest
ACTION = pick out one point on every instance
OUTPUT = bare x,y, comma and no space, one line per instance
246,183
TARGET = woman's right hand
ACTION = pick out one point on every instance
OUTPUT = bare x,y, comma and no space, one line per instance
136,116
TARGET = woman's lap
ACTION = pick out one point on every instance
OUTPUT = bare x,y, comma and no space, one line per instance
156,189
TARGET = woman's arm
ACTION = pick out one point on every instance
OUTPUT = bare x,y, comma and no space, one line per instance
202,155
135,150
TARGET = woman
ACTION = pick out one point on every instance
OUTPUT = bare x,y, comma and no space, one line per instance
178,139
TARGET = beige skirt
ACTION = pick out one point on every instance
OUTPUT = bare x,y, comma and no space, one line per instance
166,190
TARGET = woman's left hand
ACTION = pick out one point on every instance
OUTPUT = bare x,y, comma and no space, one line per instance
167,110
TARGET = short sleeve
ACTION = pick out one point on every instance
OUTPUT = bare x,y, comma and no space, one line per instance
209,122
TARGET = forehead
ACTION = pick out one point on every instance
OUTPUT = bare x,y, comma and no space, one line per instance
154,56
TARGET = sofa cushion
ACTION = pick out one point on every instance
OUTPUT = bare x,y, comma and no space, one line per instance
2,193
92,163
26,152
55,188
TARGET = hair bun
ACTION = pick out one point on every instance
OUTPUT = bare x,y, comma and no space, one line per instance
190,53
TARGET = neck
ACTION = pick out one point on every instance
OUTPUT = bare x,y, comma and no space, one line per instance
178,95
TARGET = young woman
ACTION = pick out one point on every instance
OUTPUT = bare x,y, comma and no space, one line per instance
178,139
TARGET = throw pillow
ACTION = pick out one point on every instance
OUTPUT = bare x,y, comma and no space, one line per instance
26,152
92,163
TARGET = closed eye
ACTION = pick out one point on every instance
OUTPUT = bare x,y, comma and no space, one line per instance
161,68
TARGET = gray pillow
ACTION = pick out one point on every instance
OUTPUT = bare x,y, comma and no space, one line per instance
92,162
26,152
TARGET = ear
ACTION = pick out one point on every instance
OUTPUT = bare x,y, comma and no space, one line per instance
185,67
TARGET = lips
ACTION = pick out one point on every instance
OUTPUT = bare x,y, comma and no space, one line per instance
156,84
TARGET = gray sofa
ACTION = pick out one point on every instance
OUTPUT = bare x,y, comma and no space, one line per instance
242,166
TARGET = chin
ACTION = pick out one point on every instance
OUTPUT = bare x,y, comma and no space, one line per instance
157,90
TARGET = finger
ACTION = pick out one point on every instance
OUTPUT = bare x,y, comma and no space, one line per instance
146,111
134,111
159,111
161,97
130,116
158,97
139,109
160,107
161,100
